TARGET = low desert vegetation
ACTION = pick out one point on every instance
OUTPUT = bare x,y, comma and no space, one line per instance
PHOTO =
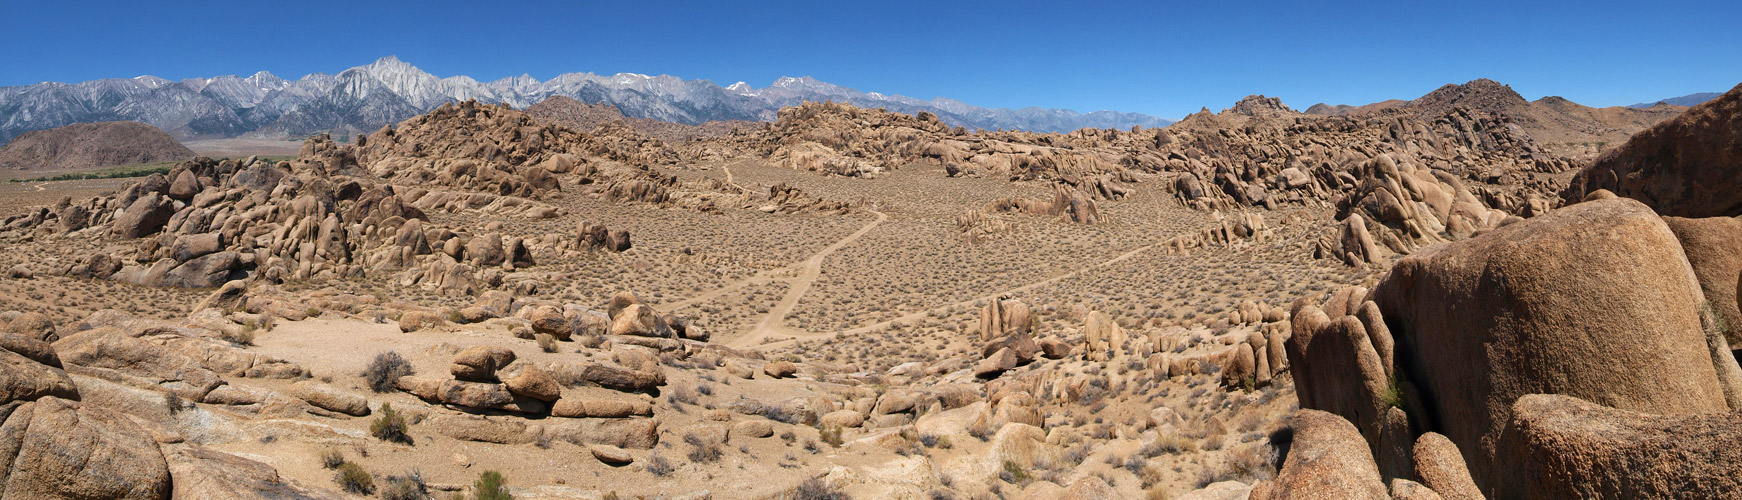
390,426
491,486
354,479
384,371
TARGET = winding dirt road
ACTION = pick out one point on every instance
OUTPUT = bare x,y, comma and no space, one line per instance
807,272
775,321
799,278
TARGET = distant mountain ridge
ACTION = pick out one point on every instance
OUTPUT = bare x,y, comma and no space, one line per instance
1694,99
364,98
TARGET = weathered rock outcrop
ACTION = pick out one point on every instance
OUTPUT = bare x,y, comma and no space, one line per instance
1440,466
55,448
1068,201
479,364
1566,447
1683,167
1456,333
1327,459
199,472
1103,338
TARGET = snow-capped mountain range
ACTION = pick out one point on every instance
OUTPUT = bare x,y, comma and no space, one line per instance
364,98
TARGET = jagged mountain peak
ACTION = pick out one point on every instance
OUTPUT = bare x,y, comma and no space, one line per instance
390,61
806,83
151,80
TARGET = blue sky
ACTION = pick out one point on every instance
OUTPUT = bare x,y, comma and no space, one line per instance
1162,58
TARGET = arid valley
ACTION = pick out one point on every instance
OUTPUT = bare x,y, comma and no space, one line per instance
1463,295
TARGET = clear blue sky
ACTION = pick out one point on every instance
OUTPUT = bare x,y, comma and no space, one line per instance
1152,57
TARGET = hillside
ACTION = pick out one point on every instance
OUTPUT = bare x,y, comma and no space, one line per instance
87,145
1684,167
1557,124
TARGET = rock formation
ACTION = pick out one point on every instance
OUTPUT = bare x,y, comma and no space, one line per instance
1455,337
1682,167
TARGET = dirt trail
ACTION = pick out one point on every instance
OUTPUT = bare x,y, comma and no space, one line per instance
920,314
774,323
807,272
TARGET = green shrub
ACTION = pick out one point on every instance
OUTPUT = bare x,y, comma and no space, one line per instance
173,402
390,426
657,465
1013,473
243,336
832,435
1393,394
701,450
331,458
546,343
817,489
491,486
354,479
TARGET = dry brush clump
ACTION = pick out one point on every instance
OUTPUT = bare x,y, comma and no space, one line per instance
384,371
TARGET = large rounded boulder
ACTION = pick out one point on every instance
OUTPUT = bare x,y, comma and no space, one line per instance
1713,246
1595,300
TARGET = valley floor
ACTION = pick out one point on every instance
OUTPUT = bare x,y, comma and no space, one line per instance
864,297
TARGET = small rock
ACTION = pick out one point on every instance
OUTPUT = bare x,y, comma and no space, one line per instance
33,325
738,368
996,364
412,321
550,320
536,384
635,319
779,369
843,418
1052,348
576,407
610,454
754,428
331,398
479,364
